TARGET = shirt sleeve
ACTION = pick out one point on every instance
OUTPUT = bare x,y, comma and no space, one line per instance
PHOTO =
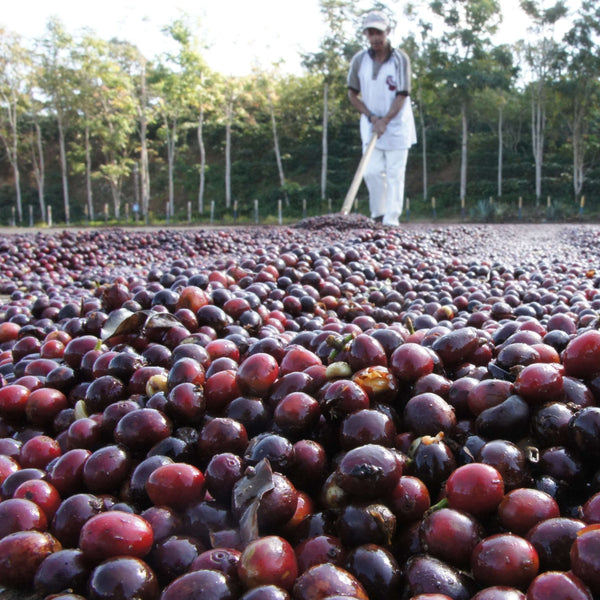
353,78
404,73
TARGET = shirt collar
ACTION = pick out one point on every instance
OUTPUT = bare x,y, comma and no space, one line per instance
389,52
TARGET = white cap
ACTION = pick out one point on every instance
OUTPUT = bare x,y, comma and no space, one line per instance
376,20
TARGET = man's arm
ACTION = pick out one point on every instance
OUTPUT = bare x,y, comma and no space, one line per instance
381,124
360,106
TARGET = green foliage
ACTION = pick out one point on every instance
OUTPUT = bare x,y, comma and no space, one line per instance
79,83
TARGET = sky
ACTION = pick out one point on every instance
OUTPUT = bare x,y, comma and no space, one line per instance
238,33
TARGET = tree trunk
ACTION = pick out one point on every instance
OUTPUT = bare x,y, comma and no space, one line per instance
145,171
324,140
115,189
15,164
88,173
424,161
145,177
171,140
578,155
463,157
228,119
500,149
63,166
136,185
12,150
277,152
17,176
423,146
538,121
579,129
578,176
202,161
37,156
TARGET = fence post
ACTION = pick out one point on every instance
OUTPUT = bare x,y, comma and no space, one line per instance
30,216
189,212
407,209
279,215
520,207
49,219
433,207
304,208
235,211
256,210
105,213
581,205
212,211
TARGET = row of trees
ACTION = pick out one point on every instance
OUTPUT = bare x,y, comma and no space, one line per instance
87,122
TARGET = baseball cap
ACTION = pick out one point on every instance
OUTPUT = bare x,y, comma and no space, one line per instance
376,20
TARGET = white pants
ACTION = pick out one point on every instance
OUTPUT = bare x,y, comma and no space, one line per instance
384,176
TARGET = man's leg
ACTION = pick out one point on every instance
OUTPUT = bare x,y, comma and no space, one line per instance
375,179
395,169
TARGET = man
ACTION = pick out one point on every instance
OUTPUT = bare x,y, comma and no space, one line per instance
379,88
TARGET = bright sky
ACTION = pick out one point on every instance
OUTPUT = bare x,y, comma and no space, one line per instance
239,33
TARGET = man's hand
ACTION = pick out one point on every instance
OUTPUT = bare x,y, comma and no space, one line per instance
379,126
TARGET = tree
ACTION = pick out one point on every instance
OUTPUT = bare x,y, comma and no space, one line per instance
299,114
15,63
541,56
201,148
56,82
464,59
103,104
230,99
495,101
134,63
271,100
493,98
87,57
142,109
116,121
266,87
332,61
89,108
200,82
234,92
38,162
179,78
578,85
424,93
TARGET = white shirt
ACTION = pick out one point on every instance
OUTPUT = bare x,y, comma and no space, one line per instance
378,85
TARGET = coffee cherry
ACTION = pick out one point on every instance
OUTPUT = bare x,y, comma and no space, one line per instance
476,488
269,560
505,559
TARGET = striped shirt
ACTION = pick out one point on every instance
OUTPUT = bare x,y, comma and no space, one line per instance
378,85
401,66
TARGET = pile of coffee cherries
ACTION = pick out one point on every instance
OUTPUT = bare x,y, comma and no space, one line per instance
330,411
